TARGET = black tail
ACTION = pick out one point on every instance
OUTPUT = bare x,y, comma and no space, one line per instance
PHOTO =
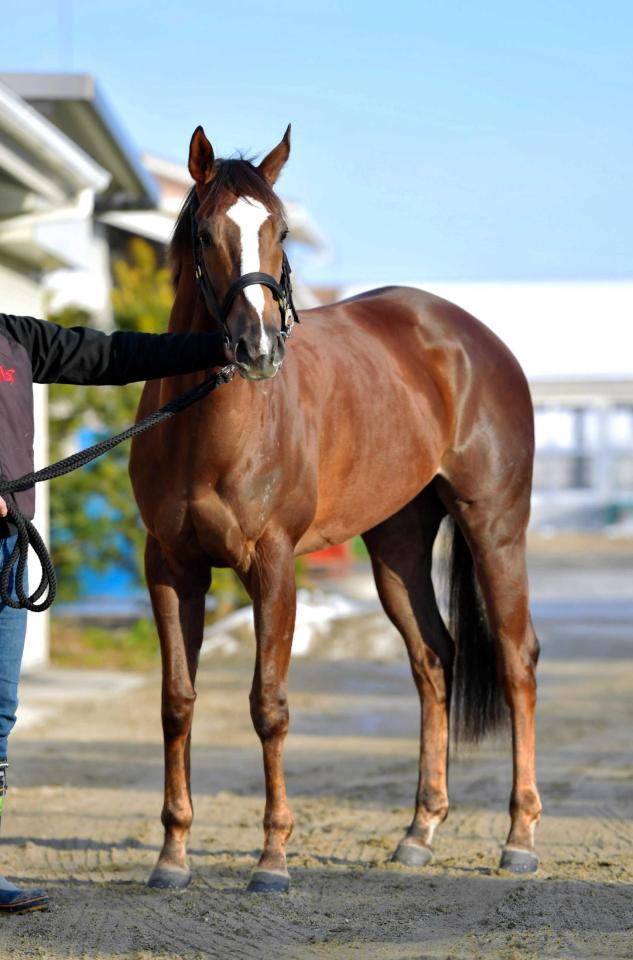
478,705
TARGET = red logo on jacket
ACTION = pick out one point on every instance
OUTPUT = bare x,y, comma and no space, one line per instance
7,375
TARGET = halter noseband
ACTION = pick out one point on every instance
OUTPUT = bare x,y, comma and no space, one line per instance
281,290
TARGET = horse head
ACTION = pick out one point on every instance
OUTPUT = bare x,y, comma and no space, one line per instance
238,227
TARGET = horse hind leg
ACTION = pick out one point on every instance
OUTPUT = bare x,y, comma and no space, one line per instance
400,549
177,596
494,529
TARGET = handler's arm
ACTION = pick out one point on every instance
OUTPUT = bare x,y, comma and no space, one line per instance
89,357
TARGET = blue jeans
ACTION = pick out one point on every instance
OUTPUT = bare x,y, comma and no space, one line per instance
12,634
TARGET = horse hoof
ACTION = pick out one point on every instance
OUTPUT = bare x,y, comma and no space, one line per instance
519,861
412,855
267,881
169,878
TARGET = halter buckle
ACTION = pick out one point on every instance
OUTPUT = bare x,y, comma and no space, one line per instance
226,373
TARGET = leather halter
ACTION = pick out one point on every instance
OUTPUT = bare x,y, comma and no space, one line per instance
281,289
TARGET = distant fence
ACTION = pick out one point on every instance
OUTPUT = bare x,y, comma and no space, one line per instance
565,470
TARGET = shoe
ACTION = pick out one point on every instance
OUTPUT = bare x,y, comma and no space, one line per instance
17,900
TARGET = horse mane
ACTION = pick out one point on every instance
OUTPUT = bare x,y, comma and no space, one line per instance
240,177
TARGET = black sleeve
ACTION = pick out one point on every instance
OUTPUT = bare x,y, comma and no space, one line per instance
84,356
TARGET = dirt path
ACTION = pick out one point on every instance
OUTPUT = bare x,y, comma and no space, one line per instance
83,819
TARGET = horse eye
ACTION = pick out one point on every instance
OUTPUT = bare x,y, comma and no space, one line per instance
205,238
284,234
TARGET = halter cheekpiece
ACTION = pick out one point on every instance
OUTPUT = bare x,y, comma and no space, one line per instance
281,289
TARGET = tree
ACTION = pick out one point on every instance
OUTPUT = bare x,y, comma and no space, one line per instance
94,518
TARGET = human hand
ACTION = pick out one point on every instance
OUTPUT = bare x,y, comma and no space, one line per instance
3,507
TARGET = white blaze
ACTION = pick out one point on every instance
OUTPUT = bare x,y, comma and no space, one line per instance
249,215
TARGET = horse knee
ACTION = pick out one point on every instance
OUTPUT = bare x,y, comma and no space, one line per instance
270,716
176,715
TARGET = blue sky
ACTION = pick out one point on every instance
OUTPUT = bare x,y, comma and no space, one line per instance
431,141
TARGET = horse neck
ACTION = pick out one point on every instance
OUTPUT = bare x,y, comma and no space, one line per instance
188,313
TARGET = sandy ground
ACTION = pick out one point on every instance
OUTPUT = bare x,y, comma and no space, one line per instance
83,812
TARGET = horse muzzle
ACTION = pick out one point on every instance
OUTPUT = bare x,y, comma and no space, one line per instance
259,360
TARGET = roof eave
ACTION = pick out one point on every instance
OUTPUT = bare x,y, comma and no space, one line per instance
73,169
75,99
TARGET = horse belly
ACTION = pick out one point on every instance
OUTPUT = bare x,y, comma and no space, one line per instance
374,471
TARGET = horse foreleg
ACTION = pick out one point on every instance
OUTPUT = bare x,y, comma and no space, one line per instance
271,583
178,603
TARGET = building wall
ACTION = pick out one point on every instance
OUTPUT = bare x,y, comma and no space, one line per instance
23,296
89,285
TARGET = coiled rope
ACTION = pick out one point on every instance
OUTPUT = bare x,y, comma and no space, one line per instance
27,533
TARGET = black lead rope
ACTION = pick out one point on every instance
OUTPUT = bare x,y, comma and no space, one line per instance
28,535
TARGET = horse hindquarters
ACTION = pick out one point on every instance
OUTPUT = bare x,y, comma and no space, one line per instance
178,594
401,551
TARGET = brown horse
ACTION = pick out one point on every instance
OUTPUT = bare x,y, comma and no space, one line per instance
384,414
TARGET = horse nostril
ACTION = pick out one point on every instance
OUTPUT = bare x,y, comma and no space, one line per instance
241,352
279,349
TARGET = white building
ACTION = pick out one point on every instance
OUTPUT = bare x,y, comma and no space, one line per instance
48,187
74,105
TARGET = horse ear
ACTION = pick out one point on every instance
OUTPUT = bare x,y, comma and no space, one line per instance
201,157
271,166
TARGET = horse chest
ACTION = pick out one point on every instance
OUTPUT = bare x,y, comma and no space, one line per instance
228,518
